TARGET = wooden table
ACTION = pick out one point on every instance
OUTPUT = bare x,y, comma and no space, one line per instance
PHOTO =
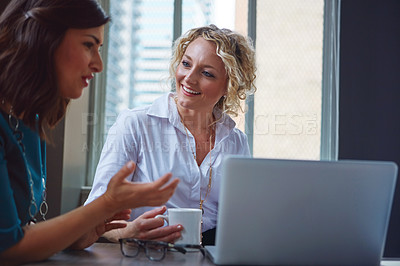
110,254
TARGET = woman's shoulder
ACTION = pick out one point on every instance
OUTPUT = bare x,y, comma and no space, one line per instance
129,120
5,130
134,113
239,134
3,122
227,123
158,106
227,130
137,118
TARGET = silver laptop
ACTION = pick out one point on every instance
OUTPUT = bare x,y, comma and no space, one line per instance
289,212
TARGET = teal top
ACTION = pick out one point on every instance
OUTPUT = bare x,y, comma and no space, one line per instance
15,192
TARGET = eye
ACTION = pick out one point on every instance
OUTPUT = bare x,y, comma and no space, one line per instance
185,64
88,44
208,74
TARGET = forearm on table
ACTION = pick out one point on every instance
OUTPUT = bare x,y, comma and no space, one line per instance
115,235
43,239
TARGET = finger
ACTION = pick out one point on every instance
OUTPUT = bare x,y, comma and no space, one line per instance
152,213
124,172
119,217
152,224
122,215
163,196
170,238
112,226
169,233
166,192
126,211
162,180
171,186
144,225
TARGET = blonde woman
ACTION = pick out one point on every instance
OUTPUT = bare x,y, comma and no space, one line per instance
187,132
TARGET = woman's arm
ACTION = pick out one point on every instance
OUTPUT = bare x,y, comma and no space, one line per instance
46,238
121,146
146,226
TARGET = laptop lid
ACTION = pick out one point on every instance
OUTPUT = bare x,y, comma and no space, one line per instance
290,212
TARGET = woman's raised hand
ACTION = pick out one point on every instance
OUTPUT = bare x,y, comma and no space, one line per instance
122,194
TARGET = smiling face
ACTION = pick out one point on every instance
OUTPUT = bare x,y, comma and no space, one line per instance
76,59
201,79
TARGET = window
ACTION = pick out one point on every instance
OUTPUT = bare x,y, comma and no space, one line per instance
287,105
296,47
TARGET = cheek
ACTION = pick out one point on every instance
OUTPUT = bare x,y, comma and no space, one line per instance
74,59
179,74
65,68
77,61
219,90
62,74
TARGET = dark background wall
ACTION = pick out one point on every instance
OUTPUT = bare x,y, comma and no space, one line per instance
369,102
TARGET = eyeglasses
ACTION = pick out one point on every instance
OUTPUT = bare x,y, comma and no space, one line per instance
154,250
187,246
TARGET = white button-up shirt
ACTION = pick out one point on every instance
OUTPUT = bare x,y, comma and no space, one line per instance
155,139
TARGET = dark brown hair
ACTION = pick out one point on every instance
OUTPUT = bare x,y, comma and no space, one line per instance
30,33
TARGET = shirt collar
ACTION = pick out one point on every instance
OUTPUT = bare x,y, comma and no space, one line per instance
165,107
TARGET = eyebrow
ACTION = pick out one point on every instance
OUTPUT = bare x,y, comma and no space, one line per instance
94,37
207,66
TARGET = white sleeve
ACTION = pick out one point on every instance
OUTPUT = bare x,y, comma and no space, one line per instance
119,148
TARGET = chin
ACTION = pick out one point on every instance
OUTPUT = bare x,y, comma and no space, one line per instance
73,96
78,95
71,92
185,104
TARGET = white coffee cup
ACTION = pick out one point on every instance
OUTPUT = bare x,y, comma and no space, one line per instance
190,219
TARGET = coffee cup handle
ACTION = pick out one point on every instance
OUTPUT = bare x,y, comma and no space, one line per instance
165,217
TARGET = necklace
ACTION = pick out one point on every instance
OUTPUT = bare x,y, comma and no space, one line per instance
43,209
202,200
210,169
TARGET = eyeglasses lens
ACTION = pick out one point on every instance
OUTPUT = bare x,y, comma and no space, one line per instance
130,249
155,251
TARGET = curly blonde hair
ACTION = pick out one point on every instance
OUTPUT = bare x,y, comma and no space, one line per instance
237,54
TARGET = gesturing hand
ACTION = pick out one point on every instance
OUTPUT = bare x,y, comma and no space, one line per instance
122,194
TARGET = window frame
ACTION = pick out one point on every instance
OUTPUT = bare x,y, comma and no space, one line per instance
94,119
330,81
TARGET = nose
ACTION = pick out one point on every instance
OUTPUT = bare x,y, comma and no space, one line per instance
96,64
190,77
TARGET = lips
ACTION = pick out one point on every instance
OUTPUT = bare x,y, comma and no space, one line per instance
86,80
188,91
